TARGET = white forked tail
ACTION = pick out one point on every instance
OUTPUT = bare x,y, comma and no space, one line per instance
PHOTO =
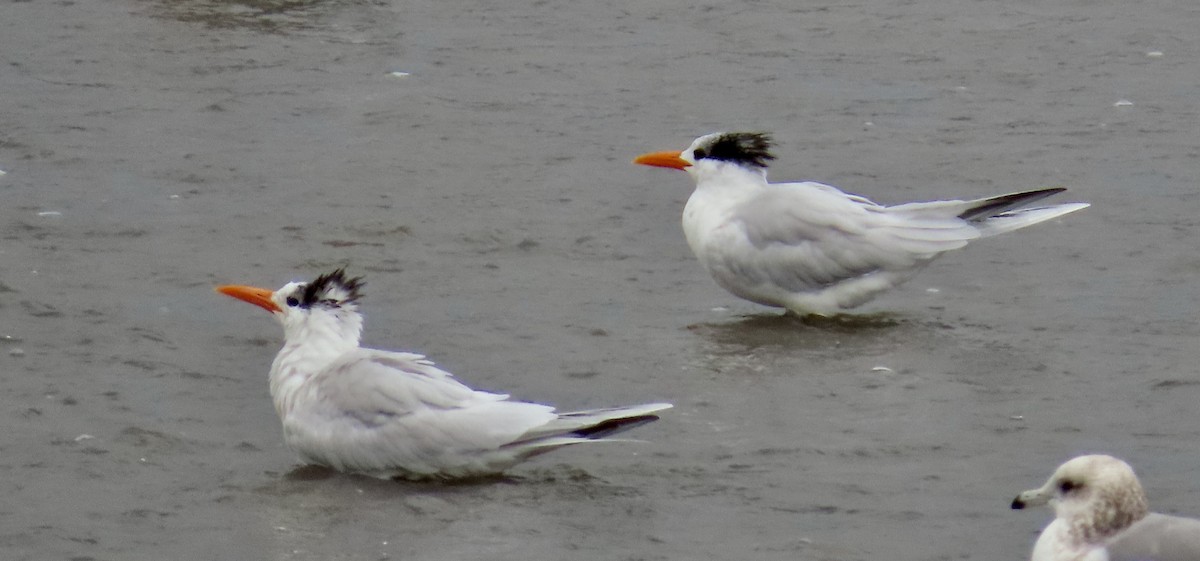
994,215
1004,213
1017,219
586,426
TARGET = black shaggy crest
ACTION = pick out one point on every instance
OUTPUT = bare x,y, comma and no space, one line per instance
746,148
333,288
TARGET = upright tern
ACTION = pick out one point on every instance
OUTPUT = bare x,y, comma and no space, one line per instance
394,414
811,248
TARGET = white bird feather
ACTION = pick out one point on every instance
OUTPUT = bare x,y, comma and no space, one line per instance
1102,515
811,248
394,414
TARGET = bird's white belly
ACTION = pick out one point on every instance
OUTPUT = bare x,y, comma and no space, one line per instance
729,257
777,276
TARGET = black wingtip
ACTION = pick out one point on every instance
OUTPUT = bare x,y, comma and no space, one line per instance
993,206
613,426
1018,504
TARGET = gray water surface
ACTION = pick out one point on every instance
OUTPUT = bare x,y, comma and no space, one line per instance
156,148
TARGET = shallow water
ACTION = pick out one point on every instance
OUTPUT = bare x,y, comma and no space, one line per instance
154,149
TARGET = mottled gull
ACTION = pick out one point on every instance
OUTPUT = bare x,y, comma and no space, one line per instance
1102,515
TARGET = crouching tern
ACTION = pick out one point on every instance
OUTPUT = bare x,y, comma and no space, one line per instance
811,248
394,414
1101,514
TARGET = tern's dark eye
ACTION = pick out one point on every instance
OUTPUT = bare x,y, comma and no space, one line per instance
1067,486
293,302
699,153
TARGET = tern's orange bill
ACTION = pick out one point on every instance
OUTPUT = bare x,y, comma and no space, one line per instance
666,159
260,297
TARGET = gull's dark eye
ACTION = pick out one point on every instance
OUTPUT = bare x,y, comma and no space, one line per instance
699,153
292,301
1066,486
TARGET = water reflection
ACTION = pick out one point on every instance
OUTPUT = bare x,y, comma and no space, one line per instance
818,334
269,16
314,513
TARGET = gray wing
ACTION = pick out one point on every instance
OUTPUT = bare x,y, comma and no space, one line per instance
1157,537
376,410
804,236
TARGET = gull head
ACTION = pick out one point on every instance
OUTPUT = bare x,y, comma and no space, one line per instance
1097,496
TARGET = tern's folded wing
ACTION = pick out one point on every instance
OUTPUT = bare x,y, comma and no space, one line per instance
374,410
806,238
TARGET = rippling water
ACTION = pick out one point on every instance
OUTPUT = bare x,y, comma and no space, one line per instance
473,160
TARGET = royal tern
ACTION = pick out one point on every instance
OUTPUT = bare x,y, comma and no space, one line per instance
809,247
1102,515
394,414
